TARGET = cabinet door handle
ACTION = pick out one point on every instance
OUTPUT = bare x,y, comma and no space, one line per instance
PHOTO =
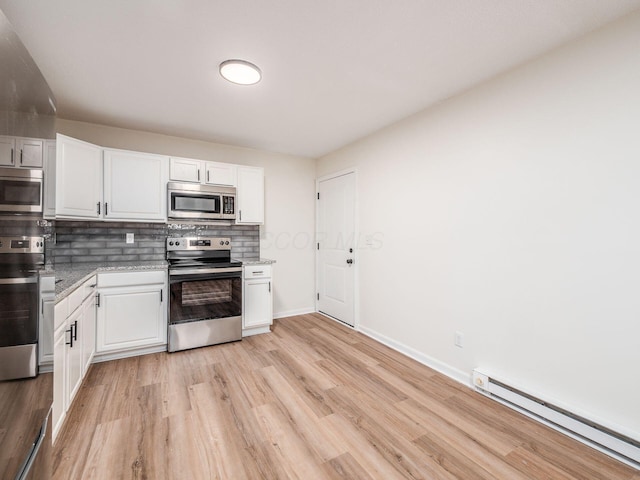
240,215
98,205
160,296
106,209
198,174
75,330
97,300
207,176
70,342
20,156
42,306
269,287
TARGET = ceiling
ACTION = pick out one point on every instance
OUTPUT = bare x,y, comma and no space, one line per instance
333,70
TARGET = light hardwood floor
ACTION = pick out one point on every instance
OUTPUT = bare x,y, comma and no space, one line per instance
311,400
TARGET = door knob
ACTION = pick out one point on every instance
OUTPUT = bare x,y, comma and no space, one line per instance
350,261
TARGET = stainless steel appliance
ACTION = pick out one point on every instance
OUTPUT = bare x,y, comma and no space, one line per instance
20,190
25,396
20,258
205,302
191,201
28,110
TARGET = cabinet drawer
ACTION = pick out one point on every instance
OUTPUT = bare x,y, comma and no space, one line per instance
61,312
88,287
257,271
79,294
123,279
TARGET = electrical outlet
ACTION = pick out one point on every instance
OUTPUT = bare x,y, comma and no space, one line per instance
130,237
459,339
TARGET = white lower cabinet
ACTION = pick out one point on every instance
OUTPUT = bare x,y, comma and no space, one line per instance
73,347
132,313
74,354
257,299
45,323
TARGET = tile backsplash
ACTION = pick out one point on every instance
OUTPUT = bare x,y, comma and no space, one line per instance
78,241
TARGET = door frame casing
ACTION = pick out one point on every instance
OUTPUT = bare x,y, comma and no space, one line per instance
356,234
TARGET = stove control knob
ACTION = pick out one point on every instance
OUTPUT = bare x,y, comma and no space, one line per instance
171,244
227,242
221,242
177,243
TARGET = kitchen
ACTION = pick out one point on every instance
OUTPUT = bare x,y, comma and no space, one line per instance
289,182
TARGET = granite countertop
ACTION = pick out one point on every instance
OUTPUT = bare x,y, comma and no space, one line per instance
257,261
70,276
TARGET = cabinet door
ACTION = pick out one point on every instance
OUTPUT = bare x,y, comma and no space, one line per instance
250,195
59,378
7,151
185,170
258,304
220,174
29,152
131,317
135,186
78,179
74,355
49,173
88,331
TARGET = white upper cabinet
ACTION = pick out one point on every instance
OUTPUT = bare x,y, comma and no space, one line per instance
7,151
128,186
250,195
202,171
135,186
21,152
49,208
78,179
220,174
29,152
185,170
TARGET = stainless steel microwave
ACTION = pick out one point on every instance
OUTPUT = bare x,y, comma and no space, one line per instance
190,201
20,190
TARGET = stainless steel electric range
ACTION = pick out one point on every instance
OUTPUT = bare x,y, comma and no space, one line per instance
205,301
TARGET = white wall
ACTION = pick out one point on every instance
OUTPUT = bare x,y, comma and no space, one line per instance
511,213
286,236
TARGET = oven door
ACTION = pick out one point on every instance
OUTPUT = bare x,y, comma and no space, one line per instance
18,327
201,294
20,191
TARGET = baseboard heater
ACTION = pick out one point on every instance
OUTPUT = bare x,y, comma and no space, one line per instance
619,446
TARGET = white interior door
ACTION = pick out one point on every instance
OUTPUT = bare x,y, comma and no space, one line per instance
336,247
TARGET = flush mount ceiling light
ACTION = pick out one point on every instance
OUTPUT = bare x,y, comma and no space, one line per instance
240,72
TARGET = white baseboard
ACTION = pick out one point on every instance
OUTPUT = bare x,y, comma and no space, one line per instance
292,313
453,373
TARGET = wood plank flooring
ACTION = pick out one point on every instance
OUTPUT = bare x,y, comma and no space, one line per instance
311,400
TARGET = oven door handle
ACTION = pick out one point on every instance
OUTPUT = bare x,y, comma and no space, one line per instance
16,281
197,271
